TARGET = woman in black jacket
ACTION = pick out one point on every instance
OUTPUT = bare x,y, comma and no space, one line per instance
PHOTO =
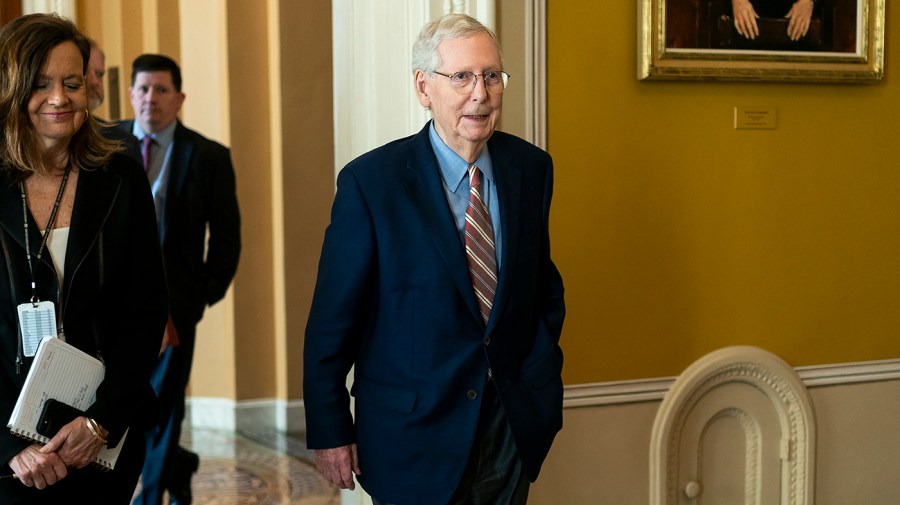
78,229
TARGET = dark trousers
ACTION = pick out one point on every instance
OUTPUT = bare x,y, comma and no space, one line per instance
87,485
493,474
169,380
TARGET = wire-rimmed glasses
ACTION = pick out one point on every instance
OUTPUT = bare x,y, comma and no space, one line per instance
464,82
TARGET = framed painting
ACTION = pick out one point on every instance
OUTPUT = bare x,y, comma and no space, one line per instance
761,40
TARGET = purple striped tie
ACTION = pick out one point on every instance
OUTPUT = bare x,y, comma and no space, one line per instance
146,146
480,251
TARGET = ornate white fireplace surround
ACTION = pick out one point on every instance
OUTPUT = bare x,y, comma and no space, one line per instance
719,380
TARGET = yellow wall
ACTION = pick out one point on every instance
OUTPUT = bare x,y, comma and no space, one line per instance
677,234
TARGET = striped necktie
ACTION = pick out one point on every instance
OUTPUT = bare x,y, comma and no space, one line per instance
480,251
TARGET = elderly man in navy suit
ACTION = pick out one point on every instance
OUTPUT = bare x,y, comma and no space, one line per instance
436,285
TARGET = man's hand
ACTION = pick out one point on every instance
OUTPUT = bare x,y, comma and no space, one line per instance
338,465
745,17
800,14
37,469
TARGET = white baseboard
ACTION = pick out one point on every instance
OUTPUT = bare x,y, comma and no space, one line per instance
643,390
258,415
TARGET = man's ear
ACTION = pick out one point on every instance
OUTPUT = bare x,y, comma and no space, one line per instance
421,85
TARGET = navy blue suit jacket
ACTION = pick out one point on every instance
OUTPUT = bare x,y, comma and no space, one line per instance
201,195
394,298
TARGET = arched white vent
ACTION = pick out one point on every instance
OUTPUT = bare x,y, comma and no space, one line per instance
736,427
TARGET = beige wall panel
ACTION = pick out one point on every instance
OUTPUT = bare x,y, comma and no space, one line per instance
90,23
859,443
102,21
308,154
168,21
251,143
204,69
130,22
602,454
511,30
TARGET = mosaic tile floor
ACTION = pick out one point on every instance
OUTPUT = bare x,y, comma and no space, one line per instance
255,469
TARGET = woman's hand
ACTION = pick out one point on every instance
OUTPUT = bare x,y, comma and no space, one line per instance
75,445
35,468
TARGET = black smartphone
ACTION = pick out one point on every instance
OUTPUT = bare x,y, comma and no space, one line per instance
55,415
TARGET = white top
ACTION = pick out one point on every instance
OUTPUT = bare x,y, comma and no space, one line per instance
57,243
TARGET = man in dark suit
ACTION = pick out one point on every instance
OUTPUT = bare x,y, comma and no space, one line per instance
436,285
193,185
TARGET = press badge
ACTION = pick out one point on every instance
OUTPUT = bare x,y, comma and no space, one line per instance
36,321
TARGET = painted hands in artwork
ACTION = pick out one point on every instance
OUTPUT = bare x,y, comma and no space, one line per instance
745,17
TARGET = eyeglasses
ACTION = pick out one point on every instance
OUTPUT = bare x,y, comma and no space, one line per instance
464,82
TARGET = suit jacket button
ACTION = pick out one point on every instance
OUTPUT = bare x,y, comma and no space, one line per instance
471,394
487,341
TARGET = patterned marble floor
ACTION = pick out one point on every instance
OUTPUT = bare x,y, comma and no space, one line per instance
255,469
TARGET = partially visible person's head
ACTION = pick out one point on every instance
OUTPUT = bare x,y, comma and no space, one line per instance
156,63
95,71
155,91
458,74
43,101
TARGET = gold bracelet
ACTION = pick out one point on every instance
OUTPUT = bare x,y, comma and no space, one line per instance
95,429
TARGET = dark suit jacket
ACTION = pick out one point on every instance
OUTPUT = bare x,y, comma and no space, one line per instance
201,194
394,298
112,300
130,145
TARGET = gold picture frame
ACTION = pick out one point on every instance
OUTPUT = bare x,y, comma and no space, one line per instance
697,40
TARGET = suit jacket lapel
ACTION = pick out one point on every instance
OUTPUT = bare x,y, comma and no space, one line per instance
126,125
508,178
182,149
422,180
94,199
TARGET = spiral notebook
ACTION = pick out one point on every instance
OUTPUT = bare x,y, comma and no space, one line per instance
62,372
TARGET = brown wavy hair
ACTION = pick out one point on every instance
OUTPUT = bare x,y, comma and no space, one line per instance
25,44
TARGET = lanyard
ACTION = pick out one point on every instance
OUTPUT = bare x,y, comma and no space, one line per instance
62,189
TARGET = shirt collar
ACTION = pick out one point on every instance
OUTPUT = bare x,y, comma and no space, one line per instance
453,167
163,137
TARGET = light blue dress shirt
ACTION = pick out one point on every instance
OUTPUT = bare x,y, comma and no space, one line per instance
160,163
454,174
